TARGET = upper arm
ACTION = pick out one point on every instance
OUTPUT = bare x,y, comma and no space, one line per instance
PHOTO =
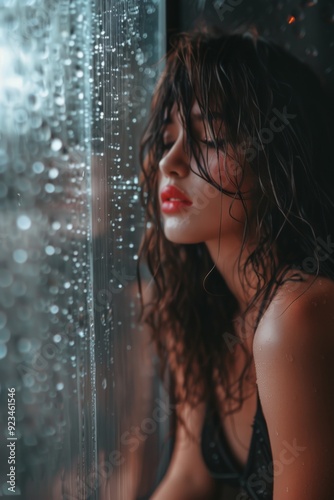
294,359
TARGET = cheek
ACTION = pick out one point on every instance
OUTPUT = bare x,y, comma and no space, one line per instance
227,172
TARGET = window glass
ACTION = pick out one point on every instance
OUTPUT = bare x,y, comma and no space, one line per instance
129,42
76,376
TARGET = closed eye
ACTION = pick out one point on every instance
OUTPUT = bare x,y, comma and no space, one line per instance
166,146
221,143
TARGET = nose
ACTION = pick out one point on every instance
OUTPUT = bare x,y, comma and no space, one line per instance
176,162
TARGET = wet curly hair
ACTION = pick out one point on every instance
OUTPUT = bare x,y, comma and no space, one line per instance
278,118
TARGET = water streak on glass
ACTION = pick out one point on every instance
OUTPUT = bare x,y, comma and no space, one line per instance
46,334
128,43
76,79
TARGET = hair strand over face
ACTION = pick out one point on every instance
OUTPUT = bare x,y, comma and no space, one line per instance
275,112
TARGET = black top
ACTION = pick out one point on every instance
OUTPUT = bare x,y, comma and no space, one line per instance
256,478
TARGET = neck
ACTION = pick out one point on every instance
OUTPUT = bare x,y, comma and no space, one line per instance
225,255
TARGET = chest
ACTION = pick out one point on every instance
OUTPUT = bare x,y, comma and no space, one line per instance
238,430
237,426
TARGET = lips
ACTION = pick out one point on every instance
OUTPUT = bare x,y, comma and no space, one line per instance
173,200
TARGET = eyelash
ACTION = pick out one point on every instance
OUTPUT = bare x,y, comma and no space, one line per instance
210,144
167,145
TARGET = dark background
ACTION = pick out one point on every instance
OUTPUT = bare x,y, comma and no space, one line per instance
305,27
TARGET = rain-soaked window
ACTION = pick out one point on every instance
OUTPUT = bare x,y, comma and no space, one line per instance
83,414
76,375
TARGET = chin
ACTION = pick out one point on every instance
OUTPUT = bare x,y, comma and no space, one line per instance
180,240
186,231
182,237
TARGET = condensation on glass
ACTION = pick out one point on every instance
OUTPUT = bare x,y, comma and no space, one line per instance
129,41
46,335
76,78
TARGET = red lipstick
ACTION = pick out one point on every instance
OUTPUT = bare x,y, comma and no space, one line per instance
173,200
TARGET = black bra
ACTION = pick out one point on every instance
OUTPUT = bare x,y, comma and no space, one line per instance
255,480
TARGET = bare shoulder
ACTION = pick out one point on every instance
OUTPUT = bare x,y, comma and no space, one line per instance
294,361
298,326
301,311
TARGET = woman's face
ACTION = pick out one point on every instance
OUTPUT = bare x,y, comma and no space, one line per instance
192,210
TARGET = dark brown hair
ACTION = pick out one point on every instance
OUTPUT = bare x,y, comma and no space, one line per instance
276,113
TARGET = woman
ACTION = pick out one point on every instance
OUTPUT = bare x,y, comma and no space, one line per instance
238,186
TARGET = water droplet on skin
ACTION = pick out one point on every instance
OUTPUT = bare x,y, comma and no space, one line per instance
289,357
